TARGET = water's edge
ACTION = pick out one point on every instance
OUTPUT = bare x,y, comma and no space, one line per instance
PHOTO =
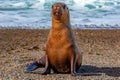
92,26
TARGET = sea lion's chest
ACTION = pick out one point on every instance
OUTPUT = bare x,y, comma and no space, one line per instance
58,39
58,49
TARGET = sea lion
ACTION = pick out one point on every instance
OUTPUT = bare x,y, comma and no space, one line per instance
62,53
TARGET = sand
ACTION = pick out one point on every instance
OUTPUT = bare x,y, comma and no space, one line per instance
101,54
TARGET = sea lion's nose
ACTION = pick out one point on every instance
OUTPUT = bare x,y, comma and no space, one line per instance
56,7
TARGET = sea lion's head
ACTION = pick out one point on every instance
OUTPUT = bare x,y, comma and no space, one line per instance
60,12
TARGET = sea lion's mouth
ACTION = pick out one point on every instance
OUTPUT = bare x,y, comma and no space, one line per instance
57,13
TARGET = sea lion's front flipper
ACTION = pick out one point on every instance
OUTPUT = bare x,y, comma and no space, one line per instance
73,65
47,67
74,70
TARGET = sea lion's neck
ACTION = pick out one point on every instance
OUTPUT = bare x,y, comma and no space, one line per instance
60,24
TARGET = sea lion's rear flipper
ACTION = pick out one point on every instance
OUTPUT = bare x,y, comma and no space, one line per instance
36,64
33,66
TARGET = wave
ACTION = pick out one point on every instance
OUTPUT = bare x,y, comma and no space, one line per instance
46,4
18,12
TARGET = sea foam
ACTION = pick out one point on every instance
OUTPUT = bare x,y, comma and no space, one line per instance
37,13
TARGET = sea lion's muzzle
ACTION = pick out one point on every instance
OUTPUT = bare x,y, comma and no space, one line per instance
57,10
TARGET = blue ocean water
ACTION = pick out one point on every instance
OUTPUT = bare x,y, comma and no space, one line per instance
37,13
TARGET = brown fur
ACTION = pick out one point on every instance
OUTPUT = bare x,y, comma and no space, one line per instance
61,50
62,54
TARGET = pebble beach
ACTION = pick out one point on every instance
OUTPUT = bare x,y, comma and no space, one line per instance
101,54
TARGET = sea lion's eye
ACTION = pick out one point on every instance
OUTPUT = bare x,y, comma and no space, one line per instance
64,6
67,7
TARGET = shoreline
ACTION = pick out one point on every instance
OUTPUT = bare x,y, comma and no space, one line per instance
76,26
